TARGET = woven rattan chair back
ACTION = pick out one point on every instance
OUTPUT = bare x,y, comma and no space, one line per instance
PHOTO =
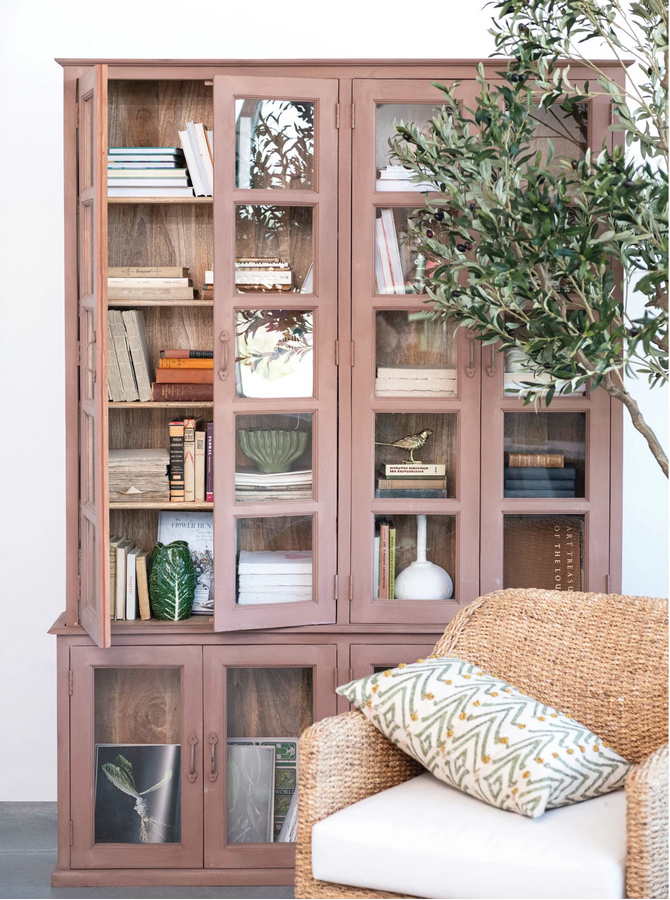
600,658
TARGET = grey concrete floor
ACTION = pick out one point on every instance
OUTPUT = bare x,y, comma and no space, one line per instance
28,857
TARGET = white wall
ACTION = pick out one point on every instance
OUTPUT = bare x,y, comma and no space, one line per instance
31,330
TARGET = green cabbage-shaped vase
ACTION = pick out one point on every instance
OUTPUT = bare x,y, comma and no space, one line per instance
172,581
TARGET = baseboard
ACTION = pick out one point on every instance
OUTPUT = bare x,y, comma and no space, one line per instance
171,877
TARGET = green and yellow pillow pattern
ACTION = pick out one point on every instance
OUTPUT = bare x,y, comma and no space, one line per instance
483,736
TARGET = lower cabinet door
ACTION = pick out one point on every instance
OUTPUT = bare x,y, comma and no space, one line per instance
136,757
258,699
366,659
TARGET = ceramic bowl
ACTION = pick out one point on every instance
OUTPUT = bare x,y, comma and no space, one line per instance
273,451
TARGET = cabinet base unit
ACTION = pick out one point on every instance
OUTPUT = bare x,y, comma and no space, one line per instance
286,480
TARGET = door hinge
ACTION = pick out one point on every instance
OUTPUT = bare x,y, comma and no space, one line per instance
79,353
337,353
353,116
71,833
337,585
70,682
352,352
337,115
76,115
351,587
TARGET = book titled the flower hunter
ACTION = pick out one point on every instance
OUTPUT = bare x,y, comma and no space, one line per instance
197,529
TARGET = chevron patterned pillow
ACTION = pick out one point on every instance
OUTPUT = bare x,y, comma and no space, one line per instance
483,736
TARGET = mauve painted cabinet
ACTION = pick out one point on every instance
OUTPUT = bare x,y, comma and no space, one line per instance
353,434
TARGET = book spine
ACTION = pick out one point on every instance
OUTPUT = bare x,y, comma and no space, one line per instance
112,579
376,552
177,461
147,272
418,484
189,460
131,587
182,392
133,321
550,460
185,376
384,562
154,281
115,320
188,363
410,494
187,354
145,293
113,373
120,606
209,462
415,470
142,576
391,563
200,438
514,493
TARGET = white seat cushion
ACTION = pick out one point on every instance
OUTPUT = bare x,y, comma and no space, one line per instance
427,839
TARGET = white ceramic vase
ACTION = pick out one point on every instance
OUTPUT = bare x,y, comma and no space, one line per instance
423,580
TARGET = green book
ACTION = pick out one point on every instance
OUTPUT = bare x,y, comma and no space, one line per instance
391,563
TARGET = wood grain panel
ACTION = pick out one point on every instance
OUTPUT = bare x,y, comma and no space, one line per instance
275,533
150,113
441,446
138,525
162,235
269,702
550,432
145,428
413,339
138,706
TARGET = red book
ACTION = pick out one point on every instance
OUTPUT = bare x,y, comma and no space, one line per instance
182,392
384,549
185,376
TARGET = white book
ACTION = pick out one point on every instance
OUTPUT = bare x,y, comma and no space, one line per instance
155,182
118,330
386,284
121,556
166,191
418,384
308,283
272,562
189,460
415,470
199,449
144,151
259,582
249,599
415,391
375,564
192,163
274,479
197,158
388,221
162,173
209,276
114,382
133,321
265,277
141,164
207,163
122,282
416,371
131,582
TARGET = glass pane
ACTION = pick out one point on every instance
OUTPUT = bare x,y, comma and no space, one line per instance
400,268
518,376
275,144
274,249
416,355
274,560
137,755
392,177
567,131
274,355
415,455
545,454
414,557
273,457
266,711
545,552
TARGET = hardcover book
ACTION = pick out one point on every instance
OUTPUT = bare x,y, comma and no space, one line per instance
133,321
198,393
185,376
176,462
548,460
416,470
197,529
543,552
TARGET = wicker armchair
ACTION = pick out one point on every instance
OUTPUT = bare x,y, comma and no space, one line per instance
600,658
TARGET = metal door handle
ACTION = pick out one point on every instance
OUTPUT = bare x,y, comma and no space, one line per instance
470,370
213,741
192,774
491,368
224,337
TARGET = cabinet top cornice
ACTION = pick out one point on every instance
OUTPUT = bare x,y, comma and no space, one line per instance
294,63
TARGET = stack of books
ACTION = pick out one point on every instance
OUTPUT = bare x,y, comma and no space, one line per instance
413,481
149,283
430,381
388,266
129,369
184,375
191,461
139,475
539,475
128,579
207,292
397,178
147,172
274,576
384,558
253,485
198,144
262,274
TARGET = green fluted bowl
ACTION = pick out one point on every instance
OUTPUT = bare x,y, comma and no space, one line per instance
172,581
273,451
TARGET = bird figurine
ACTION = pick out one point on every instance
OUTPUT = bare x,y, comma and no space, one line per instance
411,442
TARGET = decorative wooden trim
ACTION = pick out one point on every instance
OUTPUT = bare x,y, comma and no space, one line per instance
80,878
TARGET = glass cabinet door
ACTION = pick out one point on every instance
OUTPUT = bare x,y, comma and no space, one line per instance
258,700
415,389
275,325
137,757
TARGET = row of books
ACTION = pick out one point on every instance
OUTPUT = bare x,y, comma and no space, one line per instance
191,461
198,145
149,283
129,568
184,375
388,265
540,481
424,381
398,178
251,485
384,558
274,576
420,481
147,172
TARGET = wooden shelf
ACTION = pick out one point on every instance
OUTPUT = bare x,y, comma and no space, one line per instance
137,303
161,200
123,504
162,404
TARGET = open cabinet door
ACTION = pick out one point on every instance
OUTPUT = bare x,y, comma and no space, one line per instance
93,485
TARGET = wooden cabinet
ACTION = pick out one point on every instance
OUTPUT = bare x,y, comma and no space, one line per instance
347,361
